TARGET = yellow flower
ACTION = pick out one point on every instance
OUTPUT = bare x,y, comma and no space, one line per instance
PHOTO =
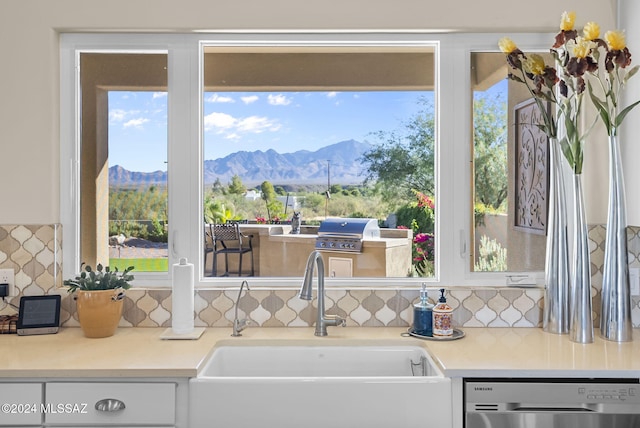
567,21
581,47
615,40
507,45
591,31
534,64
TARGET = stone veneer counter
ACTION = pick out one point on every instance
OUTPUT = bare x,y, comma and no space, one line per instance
139,352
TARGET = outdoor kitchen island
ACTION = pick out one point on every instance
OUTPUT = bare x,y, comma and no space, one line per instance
279,253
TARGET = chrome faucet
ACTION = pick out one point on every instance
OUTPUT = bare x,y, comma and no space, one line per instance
239,325
323,320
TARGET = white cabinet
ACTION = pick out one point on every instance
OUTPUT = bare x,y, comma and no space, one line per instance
20,404
86,403
110,403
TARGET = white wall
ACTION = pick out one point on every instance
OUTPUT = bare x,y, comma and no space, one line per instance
29,64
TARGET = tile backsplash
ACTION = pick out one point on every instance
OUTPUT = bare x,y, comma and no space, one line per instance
34,252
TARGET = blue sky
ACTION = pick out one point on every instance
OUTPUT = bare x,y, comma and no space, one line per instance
234,121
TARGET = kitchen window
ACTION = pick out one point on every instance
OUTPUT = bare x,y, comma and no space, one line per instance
510,172
339,132
187,121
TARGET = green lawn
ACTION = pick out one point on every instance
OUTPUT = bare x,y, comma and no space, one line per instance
141,265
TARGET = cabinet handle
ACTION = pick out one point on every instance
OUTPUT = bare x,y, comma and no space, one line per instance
109,405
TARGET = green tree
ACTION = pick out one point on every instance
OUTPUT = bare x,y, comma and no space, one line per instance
313,202
490,150
335,189
236,187
217,188
267,191
404,159
215,211
275,208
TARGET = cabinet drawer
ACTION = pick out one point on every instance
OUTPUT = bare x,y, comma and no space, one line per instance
20,403
141,403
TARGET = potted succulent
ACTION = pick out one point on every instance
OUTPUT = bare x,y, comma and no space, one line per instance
99,298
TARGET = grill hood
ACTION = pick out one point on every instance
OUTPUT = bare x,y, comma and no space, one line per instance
361,228
346,234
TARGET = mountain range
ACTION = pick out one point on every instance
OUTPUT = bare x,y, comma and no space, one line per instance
300,167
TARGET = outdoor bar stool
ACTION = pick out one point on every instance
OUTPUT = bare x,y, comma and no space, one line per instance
208,246
227,239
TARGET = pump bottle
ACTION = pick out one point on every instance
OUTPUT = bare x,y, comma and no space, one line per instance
423,314
442,314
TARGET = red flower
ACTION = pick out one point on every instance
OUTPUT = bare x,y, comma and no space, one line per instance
424,200
421,237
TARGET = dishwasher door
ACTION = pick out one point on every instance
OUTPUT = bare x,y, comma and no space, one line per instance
552,403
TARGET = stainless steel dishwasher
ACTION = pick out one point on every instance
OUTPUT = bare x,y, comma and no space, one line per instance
552,403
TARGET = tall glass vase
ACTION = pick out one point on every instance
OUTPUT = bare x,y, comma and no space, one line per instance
615,314
581,325
556,297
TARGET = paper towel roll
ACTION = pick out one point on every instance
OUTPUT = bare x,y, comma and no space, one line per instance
182,298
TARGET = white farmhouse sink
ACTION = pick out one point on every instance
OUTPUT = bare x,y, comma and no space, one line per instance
295,383
285,360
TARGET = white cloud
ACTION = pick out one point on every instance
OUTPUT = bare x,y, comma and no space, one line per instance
127,116
250,99
233,128
256,124
219,121
159,95
332,94
278,100
215,98
136,123
117,115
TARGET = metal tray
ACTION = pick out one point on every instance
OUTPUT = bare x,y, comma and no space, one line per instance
457,334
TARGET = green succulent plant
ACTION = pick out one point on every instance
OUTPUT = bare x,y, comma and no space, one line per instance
102,278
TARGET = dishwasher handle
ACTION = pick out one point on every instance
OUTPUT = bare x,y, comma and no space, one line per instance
525,407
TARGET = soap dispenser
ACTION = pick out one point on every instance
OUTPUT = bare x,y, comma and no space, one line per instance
423,314
442,314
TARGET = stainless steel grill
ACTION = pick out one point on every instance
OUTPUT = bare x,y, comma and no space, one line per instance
346,234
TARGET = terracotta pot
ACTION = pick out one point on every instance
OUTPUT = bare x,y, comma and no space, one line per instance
99,311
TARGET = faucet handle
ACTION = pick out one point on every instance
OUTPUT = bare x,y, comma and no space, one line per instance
239,325
335,320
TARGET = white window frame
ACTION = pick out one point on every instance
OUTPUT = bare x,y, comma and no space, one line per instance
185,136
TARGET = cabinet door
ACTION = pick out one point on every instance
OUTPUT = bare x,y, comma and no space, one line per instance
20,404
118,403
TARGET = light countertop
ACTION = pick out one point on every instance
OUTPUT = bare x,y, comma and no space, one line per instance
530,352
139,352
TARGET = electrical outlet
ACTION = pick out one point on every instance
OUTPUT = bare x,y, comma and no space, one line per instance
7,276
634,281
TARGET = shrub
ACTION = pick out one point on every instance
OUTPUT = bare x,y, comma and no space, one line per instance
419,216
491,256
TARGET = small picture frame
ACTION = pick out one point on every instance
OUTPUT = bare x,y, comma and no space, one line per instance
39,315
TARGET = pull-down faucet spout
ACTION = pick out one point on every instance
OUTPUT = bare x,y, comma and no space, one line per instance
322,320
239,324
